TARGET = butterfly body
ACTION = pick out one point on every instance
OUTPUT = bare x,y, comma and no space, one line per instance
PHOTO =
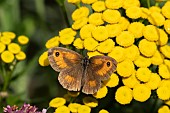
78,72
85,62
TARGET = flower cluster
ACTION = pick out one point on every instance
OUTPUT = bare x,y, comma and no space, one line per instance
11,48
26,108
11,53
60,104
136,37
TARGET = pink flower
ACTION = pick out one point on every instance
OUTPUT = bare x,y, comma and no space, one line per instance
26,108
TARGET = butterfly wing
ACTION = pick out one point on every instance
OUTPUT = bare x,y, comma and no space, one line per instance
68,63
99,68
71,78
62,58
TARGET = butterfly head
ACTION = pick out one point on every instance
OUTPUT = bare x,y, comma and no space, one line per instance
85,61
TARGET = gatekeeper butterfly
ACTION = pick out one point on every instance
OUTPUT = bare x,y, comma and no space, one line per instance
78,72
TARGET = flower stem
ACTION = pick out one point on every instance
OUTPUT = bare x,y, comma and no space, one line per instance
6,81
7,73
65,16
148,3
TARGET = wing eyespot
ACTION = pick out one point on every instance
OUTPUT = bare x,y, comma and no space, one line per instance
57,54
108,64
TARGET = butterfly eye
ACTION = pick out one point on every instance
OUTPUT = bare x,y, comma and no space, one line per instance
108,64
57,54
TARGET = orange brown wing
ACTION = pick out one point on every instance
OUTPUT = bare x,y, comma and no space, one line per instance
100,68
68,63
70,78
62,58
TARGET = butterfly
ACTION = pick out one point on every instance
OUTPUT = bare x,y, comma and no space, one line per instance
78,72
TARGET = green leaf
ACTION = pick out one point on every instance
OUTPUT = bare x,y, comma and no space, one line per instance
13,100
60,2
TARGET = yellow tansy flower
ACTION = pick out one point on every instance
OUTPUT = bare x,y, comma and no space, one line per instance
156,18
132,52
167,26
73,1
112,81
80,13
62,109
99,6
143,74
167,102
67,31
74,107
8,34
163,92
79,23
88,1
151,33
86,31
14,48
136,28
100,33
57,102
103,111
165,50
145,12
5,40
23,39
134,12
164,109
111,16
43,59
66,39
113,29
157,58
2,47
141,92
167,63
131,81
131,3
147,48
154,81
125,68
118,53
20,56
7,56
106,46
96,19
68,97
73,93
53,42
90,101
165,82
125,38
166,9
84,109
93,53
124,95
78,43
163,38
90,44
142,61
124,23
154,9
114,4
164,71
101,92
